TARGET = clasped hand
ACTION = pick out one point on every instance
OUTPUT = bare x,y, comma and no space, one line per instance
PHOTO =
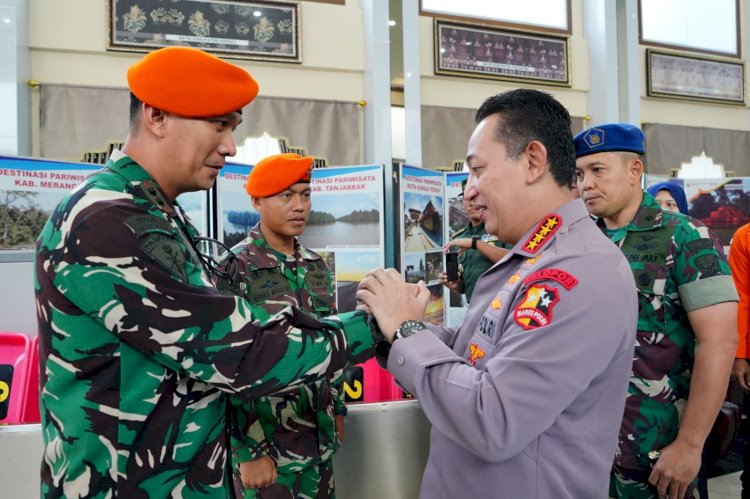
392,301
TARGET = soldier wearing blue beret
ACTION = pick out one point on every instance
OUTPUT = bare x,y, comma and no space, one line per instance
686,299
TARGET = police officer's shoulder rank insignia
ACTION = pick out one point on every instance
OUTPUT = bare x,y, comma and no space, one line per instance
594,137
475,353
543,233
535,310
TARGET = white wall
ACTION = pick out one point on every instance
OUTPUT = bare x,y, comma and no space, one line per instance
17,306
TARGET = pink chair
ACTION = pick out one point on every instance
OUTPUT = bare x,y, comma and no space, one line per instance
15,350
30,411
379,384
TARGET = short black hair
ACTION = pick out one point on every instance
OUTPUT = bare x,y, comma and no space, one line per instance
135,108
527,115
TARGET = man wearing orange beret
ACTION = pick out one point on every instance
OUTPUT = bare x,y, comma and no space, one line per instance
288,446
139,353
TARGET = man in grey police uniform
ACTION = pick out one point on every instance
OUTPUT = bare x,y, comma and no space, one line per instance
526,396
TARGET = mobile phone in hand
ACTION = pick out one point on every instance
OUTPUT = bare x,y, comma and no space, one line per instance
451,265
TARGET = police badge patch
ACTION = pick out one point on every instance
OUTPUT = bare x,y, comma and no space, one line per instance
535,310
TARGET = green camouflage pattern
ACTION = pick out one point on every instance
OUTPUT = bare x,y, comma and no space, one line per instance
296,428
313,482
633,484
673,258
474,263
135,386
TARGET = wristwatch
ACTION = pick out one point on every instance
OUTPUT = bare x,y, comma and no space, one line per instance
407,328
474,240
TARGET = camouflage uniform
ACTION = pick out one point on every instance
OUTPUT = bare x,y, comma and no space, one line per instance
135,388
474,263
297,428
679,266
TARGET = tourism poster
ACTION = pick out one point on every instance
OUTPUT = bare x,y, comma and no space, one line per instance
345,225
723,205
422,233
458,219
29,191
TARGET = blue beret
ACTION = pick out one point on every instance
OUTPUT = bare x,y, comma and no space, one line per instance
608,138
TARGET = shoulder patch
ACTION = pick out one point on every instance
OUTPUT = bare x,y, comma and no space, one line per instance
568,281
167,252
544,231
535,310
475,353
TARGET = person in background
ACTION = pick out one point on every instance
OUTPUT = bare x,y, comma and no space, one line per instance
739,262
525,398
686,320
670,196
287,448
139,353
478,251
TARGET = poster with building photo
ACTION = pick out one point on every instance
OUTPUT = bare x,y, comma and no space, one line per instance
723,205
458,219
345,225
29,191
422,232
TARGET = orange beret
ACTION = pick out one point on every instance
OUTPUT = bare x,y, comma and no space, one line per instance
275,173
191,83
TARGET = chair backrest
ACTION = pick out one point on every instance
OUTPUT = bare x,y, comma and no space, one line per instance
15,349
30,409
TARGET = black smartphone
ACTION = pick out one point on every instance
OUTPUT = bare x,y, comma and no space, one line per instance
451,265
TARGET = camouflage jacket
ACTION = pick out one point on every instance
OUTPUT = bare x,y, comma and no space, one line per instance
134,381
297,427
474,263
679,266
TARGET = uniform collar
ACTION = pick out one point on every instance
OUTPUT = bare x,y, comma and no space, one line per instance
545,230
125,167
649,216
300,251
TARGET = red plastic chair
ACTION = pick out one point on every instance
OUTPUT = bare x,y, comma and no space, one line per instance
30,410
379,384
15,350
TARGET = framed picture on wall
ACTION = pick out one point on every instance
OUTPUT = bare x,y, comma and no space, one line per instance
696,78
261,29
478,51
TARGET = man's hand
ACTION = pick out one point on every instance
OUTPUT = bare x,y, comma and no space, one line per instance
741,372
339,420
258,474
462,243
391,300
457,286
675,470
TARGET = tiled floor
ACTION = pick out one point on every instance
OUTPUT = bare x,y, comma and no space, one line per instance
725,486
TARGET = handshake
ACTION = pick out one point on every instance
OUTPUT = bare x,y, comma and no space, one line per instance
390,301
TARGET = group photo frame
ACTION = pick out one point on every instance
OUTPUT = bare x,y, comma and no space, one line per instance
480,51
679,76
267,30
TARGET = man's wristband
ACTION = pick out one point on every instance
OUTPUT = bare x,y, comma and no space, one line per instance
474,240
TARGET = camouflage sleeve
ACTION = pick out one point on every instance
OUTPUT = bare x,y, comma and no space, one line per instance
142,286
337,392
701,271
253,444
331,290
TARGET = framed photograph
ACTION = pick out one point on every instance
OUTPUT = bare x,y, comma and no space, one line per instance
695,78
261,29
485,52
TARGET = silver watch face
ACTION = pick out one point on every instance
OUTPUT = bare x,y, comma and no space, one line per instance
408,328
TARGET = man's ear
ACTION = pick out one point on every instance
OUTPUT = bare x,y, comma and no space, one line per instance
536,153
154,119
635,169
256,203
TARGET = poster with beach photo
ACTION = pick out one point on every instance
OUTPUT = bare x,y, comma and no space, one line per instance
422,226
29,191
